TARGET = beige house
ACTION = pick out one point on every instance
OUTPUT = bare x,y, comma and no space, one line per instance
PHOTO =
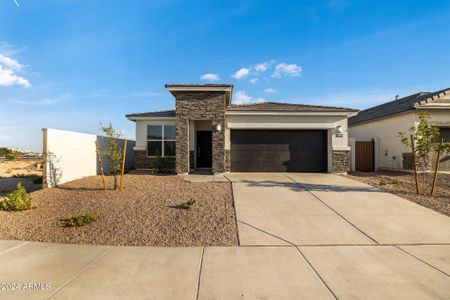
381,124
206,131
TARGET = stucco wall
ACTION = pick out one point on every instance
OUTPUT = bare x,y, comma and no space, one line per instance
72,155
386,130
291,122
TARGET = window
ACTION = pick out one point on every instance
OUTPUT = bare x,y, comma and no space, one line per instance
161,140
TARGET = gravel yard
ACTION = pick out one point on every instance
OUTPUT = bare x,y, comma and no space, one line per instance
145,213
402,184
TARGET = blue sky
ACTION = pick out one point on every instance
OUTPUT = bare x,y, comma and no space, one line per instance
73,64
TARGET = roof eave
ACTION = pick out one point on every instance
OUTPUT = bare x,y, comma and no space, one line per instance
291,113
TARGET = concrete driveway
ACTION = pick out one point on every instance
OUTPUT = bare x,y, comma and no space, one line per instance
302,236
324,209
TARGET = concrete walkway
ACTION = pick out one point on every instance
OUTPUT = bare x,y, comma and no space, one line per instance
43,271
302,236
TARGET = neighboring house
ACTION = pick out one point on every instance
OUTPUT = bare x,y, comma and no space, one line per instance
207,132
382,124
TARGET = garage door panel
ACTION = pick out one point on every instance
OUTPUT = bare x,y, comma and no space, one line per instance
278,150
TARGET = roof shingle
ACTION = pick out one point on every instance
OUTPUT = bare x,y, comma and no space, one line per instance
277,106
394,107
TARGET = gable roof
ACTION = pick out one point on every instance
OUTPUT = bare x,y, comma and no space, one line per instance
290,107
397,106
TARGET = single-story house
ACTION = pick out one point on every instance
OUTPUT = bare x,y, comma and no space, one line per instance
207,131
379,126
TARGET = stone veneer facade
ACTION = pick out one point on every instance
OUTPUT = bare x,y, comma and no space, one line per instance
340,161
199,105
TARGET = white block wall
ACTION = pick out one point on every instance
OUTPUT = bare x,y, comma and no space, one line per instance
74,155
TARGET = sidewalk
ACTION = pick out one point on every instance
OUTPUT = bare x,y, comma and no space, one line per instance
57,271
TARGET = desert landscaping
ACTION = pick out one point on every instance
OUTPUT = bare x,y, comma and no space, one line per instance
150,211
28,172
402,184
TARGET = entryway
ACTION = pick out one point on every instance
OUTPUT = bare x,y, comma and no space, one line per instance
204,149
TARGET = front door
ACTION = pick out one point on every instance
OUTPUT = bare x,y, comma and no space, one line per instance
204,149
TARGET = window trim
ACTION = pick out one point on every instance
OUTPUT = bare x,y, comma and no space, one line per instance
162,140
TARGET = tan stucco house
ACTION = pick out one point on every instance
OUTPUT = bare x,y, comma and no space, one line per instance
382,123
206,131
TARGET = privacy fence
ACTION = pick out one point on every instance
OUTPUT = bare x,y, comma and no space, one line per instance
72,155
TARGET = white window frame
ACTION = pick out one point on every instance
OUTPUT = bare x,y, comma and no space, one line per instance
162,140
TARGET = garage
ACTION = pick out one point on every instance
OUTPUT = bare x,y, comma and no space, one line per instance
279,150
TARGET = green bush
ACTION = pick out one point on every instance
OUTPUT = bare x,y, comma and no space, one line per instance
164,164
395,181
81,220
17,200
188,205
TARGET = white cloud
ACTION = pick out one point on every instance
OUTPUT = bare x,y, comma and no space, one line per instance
9,78
241,97
5,137
8,69
261,67
210,77
10,63
260,100
241,73
45,101
270,90
253,80
290,70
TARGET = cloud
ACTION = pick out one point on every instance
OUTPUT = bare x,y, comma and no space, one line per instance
260,100
288,70
241,73
264,66
45,101
241,97
9,78
253,80
10,63
210,77
270,90
8,69
261,67
5,137
17,3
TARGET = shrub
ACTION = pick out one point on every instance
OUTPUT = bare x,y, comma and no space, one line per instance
164,164
188,205
395,181
17,200
81,220
382,182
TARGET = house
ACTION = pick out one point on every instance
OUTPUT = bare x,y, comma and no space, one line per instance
206,131
381,125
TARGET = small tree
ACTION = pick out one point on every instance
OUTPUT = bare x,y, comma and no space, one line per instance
425,138
113,152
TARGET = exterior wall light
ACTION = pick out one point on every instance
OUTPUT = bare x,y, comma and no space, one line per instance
219,127
339,131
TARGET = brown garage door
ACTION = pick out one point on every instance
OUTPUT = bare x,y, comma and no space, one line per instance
279,150
364,156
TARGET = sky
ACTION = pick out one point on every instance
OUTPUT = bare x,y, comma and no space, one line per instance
77,64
